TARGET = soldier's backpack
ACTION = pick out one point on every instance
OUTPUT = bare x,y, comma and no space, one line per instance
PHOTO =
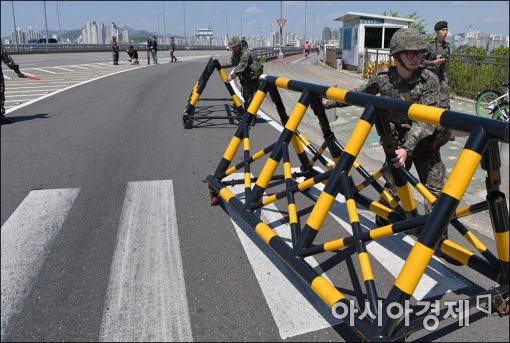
257,69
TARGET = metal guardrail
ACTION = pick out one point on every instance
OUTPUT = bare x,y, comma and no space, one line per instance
37,48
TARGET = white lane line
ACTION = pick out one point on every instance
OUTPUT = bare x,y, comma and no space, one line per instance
392,251
79,67
23,90
62,68
146,297
44,70
294,306
92,65
26,239
64,89
7,77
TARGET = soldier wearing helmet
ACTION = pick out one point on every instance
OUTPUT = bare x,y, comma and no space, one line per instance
436,60
246,69
115,50
417,142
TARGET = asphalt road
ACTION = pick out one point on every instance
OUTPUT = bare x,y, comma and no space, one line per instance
131,226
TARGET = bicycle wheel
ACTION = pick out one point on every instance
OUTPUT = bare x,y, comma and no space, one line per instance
484,105
501,112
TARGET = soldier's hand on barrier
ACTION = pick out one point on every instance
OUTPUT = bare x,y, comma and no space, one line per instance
228,79
400,158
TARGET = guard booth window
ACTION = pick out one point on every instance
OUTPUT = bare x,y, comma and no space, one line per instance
389,32
373,37
347,38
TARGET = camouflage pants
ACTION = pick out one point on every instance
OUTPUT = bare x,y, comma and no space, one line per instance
249,89
115,57
431,172
2,89
444,95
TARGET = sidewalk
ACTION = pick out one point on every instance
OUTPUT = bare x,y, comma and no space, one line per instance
371,155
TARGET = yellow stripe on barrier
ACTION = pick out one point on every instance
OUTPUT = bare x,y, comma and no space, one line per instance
303,139
336,94
456,251
358,137
406,196
462,212
326,291
306,184
298,146
427,114
226,194
479,246
387,196
222,74
414,267
502,245
292,214
383,231
281,82
366,270
194,98
380,209
236,100
295,118
320,210
270,199
258,154
246,145
232,148
333,245
247,180
462,172
264,232
431,198
267,172
255,103
287,173
351,210
230,170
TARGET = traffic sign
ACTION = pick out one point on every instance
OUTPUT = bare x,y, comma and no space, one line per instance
281,22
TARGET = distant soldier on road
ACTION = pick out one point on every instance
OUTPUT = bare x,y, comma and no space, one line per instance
133,55
154,49
244,43
115,50
436,60
417,142
10,63
149,43
246,69
172,50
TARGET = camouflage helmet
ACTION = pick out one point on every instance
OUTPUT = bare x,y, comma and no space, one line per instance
406,39
234,41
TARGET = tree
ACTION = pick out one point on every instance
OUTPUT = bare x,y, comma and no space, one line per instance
500,51
417,24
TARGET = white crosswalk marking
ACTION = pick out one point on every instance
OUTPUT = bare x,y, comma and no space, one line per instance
146,297
44,70
292,303
27,237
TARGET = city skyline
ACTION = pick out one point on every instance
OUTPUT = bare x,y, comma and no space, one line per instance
258,18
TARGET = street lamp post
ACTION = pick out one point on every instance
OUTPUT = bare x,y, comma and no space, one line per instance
164,21
46,23
15,33
184,19
59,29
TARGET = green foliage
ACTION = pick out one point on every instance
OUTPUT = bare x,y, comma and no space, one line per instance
500,51
417,24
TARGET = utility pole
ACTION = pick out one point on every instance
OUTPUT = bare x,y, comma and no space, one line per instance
46,23
313,29
184,18
59,30
305,22
241,24
15,33
164,21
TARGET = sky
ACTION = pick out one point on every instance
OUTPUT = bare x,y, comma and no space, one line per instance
246,17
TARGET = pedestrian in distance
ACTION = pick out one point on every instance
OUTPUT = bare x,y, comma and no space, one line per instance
133,55
149,44
306,46
436,60
172,50
244,43
417,142
10,63
154,49
246,69
115,50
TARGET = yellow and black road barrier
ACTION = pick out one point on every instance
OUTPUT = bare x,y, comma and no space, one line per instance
401,213
190,111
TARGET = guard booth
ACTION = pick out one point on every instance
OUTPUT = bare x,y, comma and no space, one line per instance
369,35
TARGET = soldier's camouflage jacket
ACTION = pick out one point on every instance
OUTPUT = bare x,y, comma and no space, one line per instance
241,61
10,63
435,48
421,88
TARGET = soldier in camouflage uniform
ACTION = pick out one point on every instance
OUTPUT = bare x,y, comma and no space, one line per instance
242,61
149,44
10,63
436,60
115,50
417,142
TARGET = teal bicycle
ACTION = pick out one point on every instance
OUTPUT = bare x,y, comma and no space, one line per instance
492,104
